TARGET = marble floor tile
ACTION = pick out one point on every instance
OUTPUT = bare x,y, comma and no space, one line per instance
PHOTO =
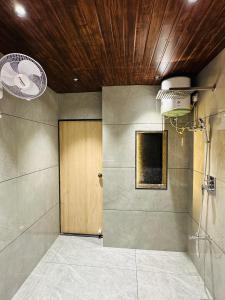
164,286
165,261
89,252
69,282
78,268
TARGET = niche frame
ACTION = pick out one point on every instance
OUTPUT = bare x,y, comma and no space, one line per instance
164,184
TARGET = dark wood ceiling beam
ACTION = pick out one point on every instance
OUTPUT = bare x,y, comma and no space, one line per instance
114,42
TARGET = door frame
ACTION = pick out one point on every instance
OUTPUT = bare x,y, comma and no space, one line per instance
60,227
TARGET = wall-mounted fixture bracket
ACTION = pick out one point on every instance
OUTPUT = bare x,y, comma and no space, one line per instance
180,93
203,237
1,91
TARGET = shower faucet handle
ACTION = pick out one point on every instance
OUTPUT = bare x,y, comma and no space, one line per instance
210,184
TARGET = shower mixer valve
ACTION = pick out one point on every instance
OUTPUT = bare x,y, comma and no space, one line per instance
210,184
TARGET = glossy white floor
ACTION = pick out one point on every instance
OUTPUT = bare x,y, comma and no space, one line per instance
81,269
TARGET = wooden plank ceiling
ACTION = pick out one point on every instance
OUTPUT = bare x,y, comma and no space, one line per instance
114,42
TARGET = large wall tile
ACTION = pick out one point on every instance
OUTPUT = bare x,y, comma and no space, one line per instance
217,146
214,215
28,185
180,148
20,257
199,147
80,106
211,258
19,197
26,146
130,104
213,209
127,109
120,192
119,145
9,225
214,73
39,189
145,230
211,106
197,195
8,148
37,146
43,109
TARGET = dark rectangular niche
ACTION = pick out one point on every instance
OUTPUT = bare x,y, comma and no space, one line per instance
151,159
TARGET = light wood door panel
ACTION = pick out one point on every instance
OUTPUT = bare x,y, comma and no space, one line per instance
80,186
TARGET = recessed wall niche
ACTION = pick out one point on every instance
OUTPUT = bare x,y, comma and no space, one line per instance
151,159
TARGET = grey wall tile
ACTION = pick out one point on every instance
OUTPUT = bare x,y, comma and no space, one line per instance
213,209
211,107
130,104
26,146
216,148
20,257
19,197
214,215
180,148
211,258
9,226
145,230
213,74
119,145
217,145
8,149
29,146
120,192
43,109
80,105
127,109
37,146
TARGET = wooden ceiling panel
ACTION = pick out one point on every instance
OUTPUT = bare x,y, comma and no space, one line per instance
114,42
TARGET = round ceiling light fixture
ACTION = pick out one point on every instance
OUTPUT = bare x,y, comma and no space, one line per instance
75,79
20,10
192,1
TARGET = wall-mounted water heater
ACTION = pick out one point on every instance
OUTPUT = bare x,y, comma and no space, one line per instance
175,104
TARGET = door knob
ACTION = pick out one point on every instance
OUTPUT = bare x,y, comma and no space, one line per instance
100,175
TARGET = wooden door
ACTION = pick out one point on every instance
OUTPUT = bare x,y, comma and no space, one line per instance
80,176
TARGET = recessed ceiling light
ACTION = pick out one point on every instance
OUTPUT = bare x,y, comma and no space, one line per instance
192,1
75,79
20,10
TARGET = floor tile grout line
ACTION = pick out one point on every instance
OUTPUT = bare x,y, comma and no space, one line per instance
136,273
88,266
169,273
122,268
